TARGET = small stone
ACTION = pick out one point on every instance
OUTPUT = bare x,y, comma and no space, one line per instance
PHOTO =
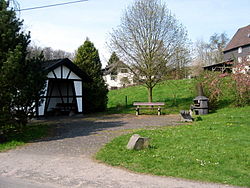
71,113
137,142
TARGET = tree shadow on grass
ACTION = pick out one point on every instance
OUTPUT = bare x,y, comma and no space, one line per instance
121,109
172,106
179,102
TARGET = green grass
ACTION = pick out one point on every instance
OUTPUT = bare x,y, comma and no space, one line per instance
177,94
30,133
214,149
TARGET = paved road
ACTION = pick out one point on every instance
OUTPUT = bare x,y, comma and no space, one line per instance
65,160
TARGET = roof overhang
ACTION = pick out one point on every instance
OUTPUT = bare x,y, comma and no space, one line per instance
53,64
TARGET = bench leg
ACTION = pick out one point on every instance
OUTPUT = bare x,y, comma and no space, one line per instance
137,111
159,111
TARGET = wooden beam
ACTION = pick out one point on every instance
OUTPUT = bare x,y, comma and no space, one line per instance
54,74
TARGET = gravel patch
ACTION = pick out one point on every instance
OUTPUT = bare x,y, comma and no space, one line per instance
65,159
86,135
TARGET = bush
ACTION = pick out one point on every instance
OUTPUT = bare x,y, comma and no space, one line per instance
233,88
213,84
241,84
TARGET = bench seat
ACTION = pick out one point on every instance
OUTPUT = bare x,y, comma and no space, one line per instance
148,105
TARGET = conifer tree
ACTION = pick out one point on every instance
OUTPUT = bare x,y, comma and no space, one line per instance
95,92
21,80
113,58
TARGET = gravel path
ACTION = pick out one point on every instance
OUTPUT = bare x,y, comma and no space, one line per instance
65,160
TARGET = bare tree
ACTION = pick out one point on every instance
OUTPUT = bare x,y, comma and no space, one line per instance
211,52
14,4
217,43
48,53
180,62
147,39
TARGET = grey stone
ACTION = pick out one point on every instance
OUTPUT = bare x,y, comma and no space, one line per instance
71,113
186,116
137,142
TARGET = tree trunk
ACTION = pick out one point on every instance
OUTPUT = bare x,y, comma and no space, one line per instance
150,94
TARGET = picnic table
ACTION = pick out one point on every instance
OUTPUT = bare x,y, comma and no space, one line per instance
148,105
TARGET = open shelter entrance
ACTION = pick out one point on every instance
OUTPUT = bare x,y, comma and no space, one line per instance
61,98
63,93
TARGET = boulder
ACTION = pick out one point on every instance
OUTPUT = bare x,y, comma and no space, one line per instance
137,142
71,113
186,116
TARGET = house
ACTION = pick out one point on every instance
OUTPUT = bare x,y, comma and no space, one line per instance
236,51
225,66
239,46
117,75
63,91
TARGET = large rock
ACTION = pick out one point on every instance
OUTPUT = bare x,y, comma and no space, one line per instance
186,116
137,142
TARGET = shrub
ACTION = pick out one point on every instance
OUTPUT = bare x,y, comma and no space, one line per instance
234,87
212,84
241,84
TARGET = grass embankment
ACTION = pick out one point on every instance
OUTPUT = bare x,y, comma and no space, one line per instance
30,133
214,149
177,94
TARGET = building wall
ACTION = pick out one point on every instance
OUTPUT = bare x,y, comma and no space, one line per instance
63,74
234,53
116,81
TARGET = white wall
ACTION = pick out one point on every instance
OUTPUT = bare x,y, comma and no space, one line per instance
65,71
118,81
78,90
42,106
54,101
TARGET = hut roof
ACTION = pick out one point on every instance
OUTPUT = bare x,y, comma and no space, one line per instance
53,64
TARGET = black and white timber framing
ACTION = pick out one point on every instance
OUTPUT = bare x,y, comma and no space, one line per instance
64,88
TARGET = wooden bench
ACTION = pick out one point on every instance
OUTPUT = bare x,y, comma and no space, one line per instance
65,107
148,105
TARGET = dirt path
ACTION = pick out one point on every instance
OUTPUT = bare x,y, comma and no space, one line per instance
65,160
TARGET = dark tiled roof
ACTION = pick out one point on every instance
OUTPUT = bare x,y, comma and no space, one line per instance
53,64
47,65
240,38
112,69
228,63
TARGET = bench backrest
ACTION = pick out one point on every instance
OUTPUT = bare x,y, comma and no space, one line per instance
148,103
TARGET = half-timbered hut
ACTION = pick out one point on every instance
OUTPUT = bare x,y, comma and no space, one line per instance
64,88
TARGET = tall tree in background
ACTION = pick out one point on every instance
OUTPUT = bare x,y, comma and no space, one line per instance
113,59
180,61
208,53
48,53
21,80
87,58
147,39
217,43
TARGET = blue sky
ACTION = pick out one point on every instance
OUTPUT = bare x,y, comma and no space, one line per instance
66,27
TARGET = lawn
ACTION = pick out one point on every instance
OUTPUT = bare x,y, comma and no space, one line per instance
177,94
30,133
216,148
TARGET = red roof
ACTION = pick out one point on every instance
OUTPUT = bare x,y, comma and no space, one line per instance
240,38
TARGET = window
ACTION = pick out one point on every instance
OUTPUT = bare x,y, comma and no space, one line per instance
124,70
248,58
239,50
239,59
113,77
